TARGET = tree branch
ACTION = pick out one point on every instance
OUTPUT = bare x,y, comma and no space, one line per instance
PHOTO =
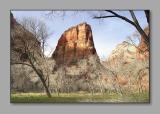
13,63
96,17
135,23
139,28
121,17
132,43
147,13
134,17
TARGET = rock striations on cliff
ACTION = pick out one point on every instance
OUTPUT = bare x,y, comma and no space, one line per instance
126,53
74,44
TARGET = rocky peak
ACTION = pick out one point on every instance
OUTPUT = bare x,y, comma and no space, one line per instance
124,53
75,43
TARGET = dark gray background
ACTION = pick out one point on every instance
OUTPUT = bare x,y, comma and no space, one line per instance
7,108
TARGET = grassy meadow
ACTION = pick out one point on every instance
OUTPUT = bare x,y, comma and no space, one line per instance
111,97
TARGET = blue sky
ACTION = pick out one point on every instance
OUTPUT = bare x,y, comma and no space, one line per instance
107,33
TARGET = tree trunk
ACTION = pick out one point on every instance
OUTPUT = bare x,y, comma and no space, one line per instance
147,16
43,48
40,75
138,27
45,86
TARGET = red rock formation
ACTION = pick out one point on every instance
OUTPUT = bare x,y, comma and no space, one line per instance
142,44
143,52
75,43
126,53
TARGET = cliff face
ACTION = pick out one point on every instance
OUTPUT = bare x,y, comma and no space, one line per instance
124,53
75,43
23,78
142,44
12,21
130,62
143,53
21,41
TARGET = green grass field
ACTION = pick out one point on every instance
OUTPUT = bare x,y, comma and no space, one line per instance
79,97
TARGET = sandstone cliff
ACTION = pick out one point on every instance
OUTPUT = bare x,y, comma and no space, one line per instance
143,49
124,53
131,65
142,44
74,44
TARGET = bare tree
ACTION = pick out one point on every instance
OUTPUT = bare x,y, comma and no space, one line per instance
43,34
30,24
38,28
26,39
134,22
